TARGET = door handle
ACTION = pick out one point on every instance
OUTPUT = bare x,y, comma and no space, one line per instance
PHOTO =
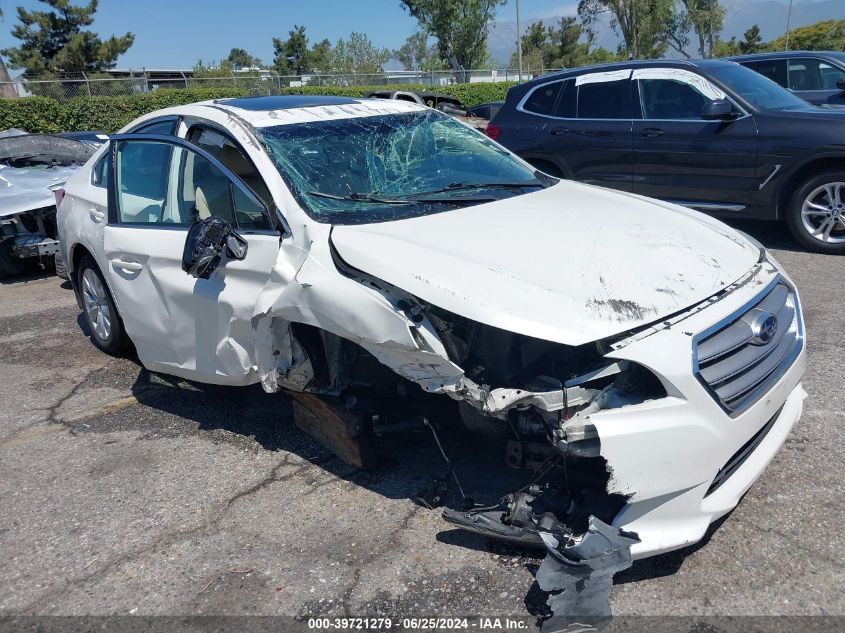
133,267
559,131
96,214
651,132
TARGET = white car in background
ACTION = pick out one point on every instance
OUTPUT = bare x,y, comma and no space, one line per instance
374,249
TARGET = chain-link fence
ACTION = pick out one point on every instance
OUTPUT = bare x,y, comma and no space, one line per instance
255,82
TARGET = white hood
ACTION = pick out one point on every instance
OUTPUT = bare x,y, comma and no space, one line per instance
571,264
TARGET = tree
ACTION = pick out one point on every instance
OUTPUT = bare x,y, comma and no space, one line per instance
560,45
753,42
357,56
827,35
723,48
417,54
641,23
566,48
460,27
320,56
535,46
290,56
704,18
56,42
239,58
707,17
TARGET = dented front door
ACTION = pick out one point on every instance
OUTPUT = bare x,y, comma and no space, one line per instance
179,324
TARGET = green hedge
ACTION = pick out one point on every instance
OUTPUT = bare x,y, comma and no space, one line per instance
109,114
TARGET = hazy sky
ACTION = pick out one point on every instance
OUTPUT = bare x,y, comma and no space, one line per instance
176,33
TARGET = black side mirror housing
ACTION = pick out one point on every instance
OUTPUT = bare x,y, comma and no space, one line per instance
717,110
841,84
206,243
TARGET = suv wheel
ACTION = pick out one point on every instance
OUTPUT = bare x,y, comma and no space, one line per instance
105,323
816,213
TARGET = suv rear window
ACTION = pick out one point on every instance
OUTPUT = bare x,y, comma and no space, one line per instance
542,99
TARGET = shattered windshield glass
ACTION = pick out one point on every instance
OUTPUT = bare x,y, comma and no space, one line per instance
390,167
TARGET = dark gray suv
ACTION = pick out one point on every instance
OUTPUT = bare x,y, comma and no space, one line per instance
711,135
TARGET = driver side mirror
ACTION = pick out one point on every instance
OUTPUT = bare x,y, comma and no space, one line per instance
717,110
207,240
841,84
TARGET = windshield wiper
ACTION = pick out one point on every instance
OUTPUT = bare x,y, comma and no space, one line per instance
356,196
462,186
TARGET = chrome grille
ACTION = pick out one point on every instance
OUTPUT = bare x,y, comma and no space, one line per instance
742,359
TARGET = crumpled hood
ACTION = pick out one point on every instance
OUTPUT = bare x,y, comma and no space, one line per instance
26,188
572,263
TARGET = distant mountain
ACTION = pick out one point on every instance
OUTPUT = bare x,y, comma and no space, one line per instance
769,15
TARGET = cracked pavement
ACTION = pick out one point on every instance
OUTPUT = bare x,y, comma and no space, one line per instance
125,491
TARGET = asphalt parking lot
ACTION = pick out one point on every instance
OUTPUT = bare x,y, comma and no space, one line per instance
126,492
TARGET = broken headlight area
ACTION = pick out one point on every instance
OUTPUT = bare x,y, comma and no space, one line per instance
25,235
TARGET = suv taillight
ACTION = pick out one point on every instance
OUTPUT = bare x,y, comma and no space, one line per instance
492,130
59,193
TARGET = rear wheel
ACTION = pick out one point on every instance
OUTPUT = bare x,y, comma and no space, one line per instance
104,322
816,213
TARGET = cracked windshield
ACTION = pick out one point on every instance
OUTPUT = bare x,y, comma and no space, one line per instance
391,167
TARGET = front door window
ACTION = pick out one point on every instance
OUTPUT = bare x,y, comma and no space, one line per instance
163,183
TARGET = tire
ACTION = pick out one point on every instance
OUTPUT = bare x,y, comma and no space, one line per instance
99,311
816,213
59,265
10,264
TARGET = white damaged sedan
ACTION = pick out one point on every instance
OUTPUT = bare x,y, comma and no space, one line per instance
644,360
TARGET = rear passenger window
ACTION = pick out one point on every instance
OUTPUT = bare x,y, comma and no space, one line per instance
774,69
567,104
604,100
542,99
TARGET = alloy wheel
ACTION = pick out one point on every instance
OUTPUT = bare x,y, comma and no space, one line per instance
96,304
823,213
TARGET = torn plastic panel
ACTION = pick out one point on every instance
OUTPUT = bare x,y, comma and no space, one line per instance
578,572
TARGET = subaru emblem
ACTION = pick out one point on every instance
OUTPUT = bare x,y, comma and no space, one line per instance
763,328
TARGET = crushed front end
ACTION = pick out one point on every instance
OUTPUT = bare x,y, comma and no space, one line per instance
659,430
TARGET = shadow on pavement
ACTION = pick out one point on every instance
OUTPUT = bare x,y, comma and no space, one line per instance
31,272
